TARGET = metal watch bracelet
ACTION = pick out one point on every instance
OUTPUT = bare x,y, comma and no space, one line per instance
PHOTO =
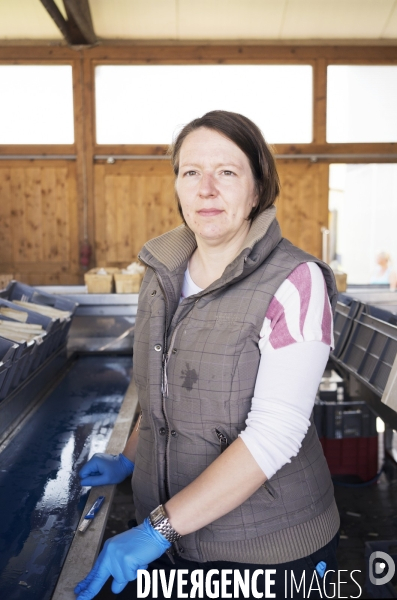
160,522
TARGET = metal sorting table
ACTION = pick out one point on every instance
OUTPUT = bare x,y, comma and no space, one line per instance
366,347
81,401
101,321
377,298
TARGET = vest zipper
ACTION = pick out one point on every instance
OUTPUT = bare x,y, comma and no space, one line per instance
163,379
222,440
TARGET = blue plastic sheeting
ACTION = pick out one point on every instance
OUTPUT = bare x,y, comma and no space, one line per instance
41,500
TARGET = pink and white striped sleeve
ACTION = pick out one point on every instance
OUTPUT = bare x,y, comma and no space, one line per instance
300,310
289,371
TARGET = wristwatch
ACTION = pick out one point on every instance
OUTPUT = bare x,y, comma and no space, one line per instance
159,521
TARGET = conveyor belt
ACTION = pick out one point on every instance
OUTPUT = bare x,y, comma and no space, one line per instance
41,500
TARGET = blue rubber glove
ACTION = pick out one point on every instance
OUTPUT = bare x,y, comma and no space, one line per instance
121,557
105,469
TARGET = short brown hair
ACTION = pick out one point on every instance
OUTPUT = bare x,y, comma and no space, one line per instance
249,138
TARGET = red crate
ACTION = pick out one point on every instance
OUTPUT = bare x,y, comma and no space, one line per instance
352,456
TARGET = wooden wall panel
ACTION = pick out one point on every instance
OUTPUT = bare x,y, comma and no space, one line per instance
5,217
134,202
302,208
38,222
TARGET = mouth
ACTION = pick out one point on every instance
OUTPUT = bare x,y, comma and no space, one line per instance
209,212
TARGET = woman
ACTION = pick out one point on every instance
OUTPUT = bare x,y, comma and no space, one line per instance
384,272
232,336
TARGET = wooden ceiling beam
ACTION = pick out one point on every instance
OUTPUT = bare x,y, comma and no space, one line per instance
80,21
77,29
58,19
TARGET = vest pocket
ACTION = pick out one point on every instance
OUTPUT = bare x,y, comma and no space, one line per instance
270,491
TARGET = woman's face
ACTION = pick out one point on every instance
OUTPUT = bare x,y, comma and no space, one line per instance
215,186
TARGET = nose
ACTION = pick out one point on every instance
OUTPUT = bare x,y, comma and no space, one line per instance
207,187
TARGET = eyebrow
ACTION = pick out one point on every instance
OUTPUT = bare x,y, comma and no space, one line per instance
221,164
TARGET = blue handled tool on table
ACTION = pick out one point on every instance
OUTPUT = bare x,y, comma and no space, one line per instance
91,513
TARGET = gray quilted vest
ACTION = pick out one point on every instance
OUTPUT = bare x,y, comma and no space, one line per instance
195,365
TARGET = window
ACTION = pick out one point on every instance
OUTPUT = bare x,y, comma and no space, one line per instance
149,104
363,205
361,104
36,104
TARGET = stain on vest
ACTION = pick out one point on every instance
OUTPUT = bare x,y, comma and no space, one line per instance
190,377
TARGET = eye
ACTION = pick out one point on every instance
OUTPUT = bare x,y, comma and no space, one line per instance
227,172
189,173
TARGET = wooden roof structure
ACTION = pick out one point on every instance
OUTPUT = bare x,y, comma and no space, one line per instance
88,22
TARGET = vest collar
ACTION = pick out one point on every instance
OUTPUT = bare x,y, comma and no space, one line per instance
174,248
169,254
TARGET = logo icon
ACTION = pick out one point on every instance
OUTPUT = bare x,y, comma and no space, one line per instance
382,559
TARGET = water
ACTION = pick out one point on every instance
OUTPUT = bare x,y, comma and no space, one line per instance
41,500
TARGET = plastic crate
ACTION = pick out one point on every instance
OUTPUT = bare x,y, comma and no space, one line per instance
42,350
347,419
371,350
352,456
20,291
21,364
7,353
381,313
387,590
346,311
42,345
59,329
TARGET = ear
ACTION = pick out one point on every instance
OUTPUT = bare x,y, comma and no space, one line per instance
256,198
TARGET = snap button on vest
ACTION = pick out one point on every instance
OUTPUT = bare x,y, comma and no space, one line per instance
162,431
175,350
153,293
157,347
173,433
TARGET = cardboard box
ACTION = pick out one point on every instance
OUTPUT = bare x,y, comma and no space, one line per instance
341,281
5,280
128,283
100,284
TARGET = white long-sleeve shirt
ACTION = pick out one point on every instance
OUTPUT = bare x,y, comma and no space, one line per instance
295,341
